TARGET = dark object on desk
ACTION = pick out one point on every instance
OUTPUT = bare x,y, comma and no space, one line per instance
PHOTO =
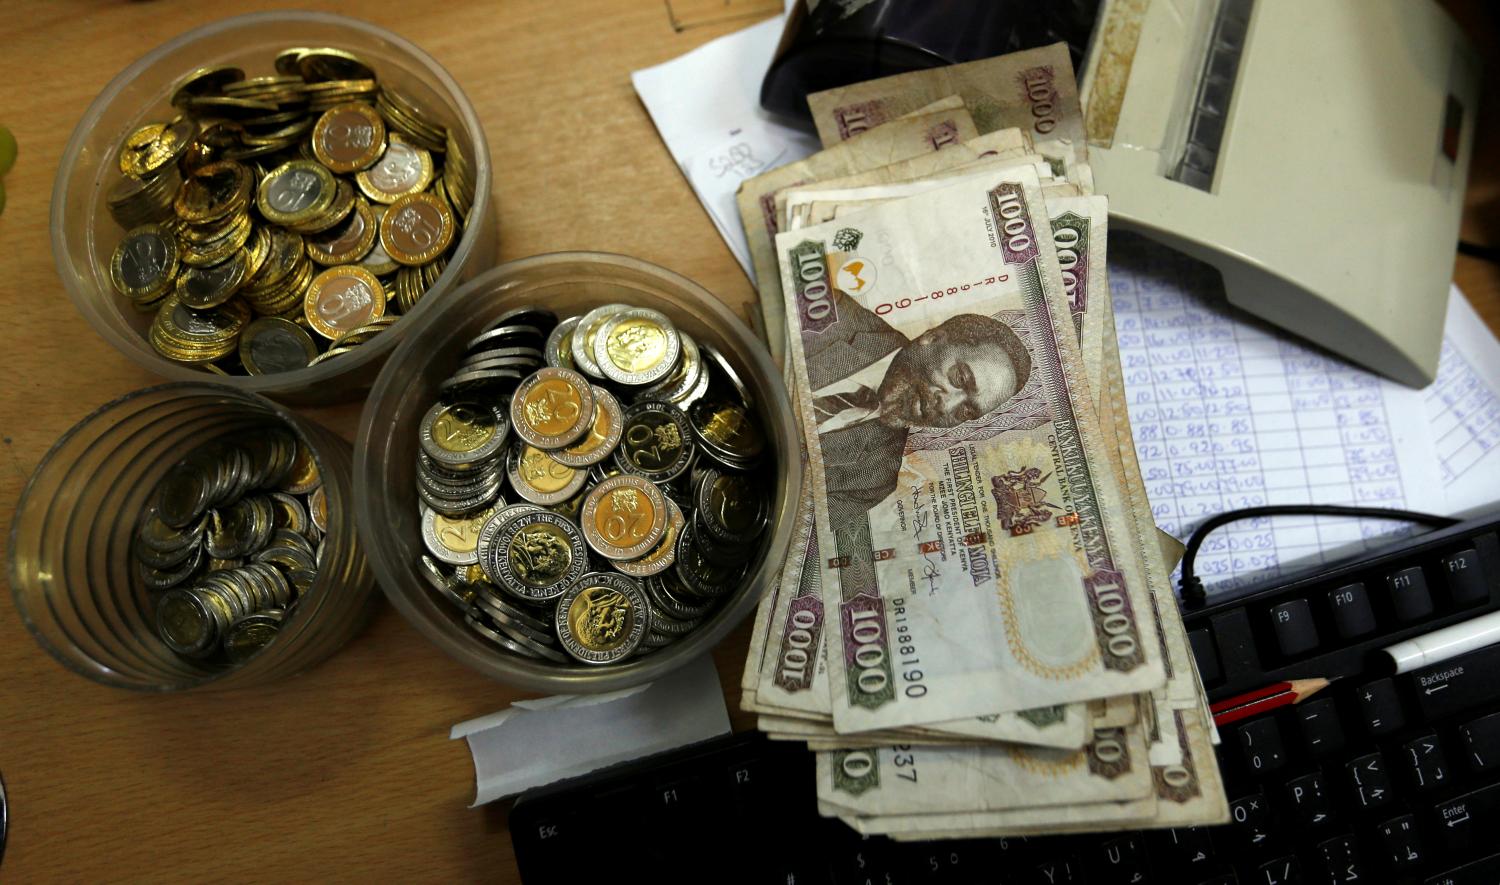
1390,779
850,41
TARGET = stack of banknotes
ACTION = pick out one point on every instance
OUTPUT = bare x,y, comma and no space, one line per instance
975,631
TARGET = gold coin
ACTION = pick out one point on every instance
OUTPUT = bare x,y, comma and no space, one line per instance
460,534
623,517
303,476
416,229
143,266
403,169
346,243
552,408
204,287
603,435
349,137
663,555
213,192
343,298
462,428
295,192
205,81
272,344
152,147
317,507
324,63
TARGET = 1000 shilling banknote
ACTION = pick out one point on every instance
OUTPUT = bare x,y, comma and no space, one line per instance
972,537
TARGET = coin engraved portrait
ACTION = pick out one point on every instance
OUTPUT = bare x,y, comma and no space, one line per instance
398,169
540,554
600,618
636,346
462,428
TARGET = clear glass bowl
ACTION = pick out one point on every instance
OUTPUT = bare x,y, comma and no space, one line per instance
386,503
72,572
84,235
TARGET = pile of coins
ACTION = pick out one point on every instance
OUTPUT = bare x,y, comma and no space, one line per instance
316,199
230,542
633,459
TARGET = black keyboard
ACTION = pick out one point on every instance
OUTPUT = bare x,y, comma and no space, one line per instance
1377,779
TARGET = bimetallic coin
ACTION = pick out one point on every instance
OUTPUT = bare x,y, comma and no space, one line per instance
182,495
603,436
185,624
417,228
271,344
538,556
403,169
683,379
624,517
602,618
730,509
296,192
213,192
478,624
721,367
162,579
317,508
514,612
154,147
349,137
539,478
668,596
143,266
348,242
559,349
463,434
323,64
700,575
656,443
449,589
487,552
203,287
454,541
303,476
247,636
727,431
552,408
205,81
636,346
342,299
582,343
661,558
290,514
498,612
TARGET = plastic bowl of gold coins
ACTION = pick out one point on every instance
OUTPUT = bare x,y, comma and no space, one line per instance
189,535
267,198
577,473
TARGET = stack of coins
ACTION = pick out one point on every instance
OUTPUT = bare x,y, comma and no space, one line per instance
230,542
316,199
634,461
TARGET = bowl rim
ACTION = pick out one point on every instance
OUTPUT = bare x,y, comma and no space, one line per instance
371,501
86,299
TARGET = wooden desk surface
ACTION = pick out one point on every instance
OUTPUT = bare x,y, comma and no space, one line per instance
345,771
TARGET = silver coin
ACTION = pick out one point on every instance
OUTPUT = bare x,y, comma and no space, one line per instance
603,436
699,391
472,381
657,640
445,585
542,650
527,315
527,355
500,336
463,433
559,348
537,556
582,344
637,346
495,636
602,618
456,507
491,603
720,366
681,382
656,443
502,619
670,601
541,479
500,363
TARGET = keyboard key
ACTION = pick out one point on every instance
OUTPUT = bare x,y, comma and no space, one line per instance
1281,871
1485,871
1249,823
1310,802
1481,739
1465,578
1206,654
1182,848
1371,781
1236,643
1426,766
1352,615
1120,861
1341,860
947,861
1458,684
1398,837
1469,820
1057,871
1260,743
1293,624
1322,732
1409,596
1379,707
1226,879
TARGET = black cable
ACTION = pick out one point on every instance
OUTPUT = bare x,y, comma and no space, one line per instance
1191,586
1475,250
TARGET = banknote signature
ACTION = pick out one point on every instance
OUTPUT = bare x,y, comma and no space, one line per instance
921,518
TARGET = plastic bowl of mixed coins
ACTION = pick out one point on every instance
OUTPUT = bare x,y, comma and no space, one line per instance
577,473
267,198
189,535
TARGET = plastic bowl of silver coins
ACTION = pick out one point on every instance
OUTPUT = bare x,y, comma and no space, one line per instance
577,473
268,198
189,535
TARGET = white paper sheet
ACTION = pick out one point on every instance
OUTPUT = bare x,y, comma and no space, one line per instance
549,739
1230,412
706,105
1463,408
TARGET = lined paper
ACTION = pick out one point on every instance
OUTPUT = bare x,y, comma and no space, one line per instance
1228,412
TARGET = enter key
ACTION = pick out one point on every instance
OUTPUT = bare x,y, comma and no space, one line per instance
1458,684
